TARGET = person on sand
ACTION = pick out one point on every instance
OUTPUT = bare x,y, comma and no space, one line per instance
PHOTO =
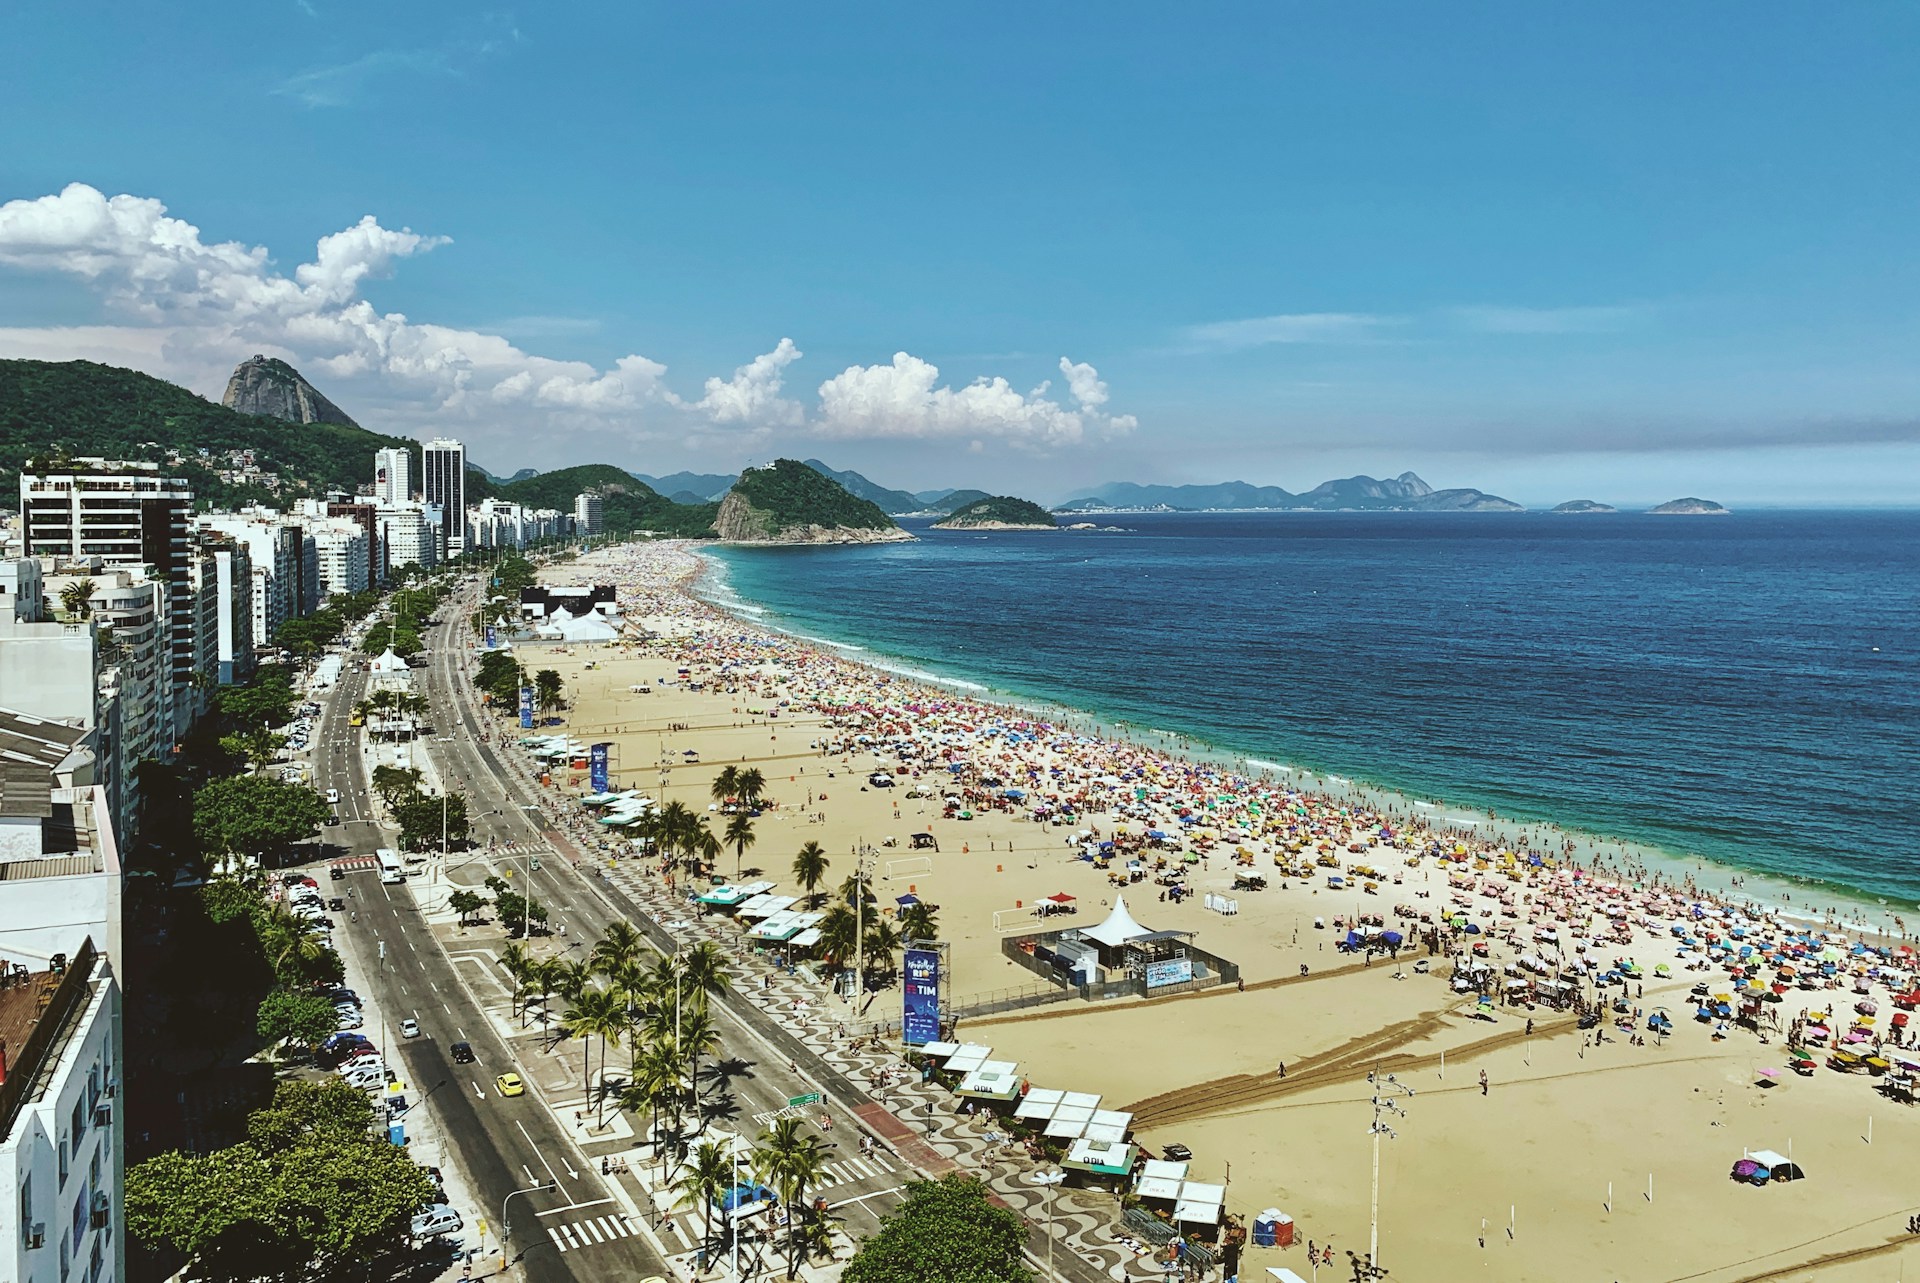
1483,1082
1283,1069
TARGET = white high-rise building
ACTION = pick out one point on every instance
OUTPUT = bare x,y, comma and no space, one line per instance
341,544
410,536
588,513
392,479
62,1146
444,482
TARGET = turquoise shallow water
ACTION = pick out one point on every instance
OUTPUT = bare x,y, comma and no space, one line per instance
1707,686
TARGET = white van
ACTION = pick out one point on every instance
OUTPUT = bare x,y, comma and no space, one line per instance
333,797
366,1078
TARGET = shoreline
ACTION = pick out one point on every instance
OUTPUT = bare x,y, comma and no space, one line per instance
1625,860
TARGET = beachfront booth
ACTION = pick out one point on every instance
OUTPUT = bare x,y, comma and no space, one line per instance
725,899
1105,1164
1195,1206
996,1081
1120,955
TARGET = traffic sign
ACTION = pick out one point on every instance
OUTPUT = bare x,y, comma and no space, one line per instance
811,1098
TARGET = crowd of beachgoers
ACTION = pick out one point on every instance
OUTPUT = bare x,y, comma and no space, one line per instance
1568,909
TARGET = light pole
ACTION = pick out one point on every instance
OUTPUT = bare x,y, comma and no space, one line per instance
1049,1179
862,855
1384,1091
506,1226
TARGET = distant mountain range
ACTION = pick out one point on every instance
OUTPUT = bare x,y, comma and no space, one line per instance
1404,493
701,487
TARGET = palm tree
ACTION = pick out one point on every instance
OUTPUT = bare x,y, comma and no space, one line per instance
705,1181
652,1082
706,969
672,828
752,785
726,785
77,598
883,941
596,1013
704,846
856,885
917,922
519,964
698,1036
739,837
791,1160
570,978
619,945
810,869
839,933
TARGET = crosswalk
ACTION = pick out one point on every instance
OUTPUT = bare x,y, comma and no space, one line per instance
848,1171
354,863
590,1231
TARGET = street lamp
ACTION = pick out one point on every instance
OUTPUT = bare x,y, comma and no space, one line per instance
506,1226
1048,1178
1384,1091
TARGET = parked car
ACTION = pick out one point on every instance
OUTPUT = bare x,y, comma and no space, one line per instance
462,1053
437,1219
1177,1154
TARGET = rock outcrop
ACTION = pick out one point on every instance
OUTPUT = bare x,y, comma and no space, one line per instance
740,522
1583,506
1690,507
269,386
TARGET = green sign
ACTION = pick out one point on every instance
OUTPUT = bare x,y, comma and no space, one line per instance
811,1098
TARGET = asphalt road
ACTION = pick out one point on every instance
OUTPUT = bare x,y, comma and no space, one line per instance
503,1144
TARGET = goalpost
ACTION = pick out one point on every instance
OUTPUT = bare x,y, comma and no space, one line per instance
1005,920
908,866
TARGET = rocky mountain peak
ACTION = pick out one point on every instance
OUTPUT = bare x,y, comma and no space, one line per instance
269,386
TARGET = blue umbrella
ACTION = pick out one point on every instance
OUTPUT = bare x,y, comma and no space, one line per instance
904,900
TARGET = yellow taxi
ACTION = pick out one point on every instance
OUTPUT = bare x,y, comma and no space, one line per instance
509,1085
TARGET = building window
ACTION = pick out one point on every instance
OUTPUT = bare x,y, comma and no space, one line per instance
63,1162
79,1123
26,1208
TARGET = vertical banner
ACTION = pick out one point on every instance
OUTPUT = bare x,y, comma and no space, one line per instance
597,767
526,707
920,992
493,639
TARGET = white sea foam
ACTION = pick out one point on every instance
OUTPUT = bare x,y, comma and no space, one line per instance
1265,765
921,675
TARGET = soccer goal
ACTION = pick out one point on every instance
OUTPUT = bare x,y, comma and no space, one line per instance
907,866
1005,920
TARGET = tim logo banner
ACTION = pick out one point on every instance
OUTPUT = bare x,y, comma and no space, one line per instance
920,1016
526,707
492,639
597,767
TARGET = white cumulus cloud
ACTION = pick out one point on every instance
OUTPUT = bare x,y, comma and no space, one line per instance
904,399
187,308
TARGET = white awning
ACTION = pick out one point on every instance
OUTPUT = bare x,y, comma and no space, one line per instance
1118,928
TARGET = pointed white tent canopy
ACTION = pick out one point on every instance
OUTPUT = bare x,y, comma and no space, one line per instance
388,663
1118,928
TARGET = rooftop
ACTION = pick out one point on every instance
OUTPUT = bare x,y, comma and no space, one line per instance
37,1011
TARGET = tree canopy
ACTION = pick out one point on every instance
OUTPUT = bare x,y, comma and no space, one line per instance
311,1190
254,814
944,1230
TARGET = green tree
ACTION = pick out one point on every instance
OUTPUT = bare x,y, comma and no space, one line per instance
792,1161
739,837
466,904
839,934
547,690
883,941
945,1229
726,785
518,914
254,815
595,1013
396,784
753,787
421,819
77,599
289,1017
311,1192
810,869
266,700
918,922
704,1182
256,745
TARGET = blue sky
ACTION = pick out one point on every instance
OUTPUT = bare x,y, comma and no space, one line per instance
1623,252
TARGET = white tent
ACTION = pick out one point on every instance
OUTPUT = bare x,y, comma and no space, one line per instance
1118,928
587,628
388,663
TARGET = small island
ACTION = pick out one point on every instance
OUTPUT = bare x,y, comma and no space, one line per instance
999,512
1689,508
786,502
1584,506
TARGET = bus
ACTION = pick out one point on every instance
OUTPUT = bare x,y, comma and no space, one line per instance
391,870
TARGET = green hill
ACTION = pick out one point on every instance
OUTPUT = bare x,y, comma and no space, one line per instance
50,408
627,504
954,500
998,511
787,501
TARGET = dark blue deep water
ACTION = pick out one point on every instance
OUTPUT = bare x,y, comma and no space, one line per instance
1708,686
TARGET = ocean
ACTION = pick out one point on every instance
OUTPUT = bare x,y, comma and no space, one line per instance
1742,689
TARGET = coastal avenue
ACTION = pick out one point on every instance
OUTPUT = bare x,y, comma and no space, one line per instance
503,1145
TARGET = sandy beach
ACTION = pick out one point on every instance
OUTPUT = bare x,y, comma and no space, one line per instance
1577,1160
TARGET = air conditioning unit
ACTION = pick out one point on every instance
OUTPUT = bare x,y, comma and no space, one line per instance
36,1236
103,1115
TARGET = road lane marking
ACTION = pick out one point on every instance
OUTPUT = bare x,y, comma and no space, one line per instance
861,1198
574,1207
476,1091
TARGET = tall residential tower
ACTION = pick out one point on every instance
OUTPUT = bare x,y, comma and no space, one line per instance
444,483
